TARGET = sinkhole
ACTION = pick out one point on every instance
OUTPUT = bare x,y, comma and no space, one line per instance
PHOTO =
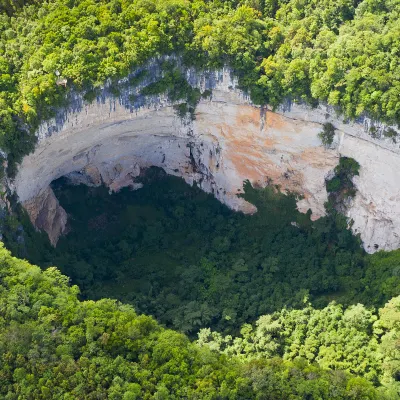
177,253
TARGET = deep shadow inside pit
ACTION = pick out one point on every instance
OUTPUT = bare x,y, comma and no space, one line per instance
177,253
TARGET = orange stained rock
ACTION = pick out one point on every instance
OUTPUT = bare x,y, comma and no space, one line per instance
248,115
276,121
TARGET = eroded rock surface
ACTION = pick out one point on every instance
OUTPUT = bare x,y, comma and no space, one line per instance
111,140
46,213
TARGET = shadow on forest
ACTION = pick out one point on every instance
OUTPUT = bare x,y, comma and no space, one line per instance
177,253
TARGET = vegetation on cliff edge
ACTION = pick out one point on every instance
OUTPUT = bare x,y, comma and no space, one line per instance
342,52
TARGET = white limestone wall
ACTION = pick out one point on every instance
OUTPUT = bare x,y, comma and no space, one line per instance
230,140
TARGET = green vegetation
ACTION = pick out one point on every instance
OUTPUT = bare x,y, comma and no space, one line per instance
353,339
11,6
341,187
177,88
175,252
54,346
327,134
340,52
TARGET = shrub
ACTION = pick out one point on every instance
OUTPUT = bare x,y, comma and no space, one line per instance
327,134
341,186
333,185
347,167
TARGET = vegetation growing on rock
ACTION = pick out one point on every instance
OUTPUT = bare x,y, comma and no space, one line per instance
178,90
173,251
340,187
327,134
339,52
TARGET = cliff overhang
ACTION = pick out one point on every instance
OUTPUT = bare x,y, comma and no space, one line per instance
110,139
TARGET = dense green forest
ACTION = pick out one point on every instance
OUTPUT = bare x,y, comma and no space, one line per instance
343,52
268,306
174,252
55,347
177,253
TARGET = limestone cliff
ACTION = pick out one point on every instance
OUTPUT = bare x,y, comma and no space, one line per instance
47,214
110,140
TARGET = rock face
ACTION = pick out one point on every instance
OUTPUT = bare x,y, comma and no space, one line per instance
47,214
110,140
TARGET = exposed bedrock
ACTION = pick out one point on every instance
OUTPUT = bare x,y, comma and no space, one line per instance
110,140
47,214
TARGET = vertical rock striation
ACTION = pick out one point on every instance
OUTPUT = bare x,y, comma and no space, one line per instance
110,140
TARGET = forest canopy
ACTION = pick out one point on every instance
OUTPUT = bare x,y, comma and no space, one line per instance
178,254
55,346
342,52
174,252
265,290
